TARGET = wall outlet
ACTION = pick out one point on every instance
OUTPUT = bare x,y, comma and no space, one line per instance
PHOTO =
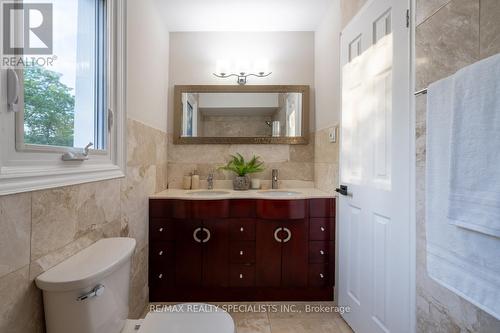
333,135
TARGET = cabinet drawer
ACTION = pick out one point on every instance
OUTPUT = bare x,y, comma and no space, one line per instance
322,207
281,209
242,229
161,254
161,277
319,252
160,208
161,229
321,229
242,208
242,252
319,275
242,276
211,209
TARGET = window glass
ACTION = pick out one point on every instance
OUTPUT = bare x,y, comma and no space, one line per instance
64,100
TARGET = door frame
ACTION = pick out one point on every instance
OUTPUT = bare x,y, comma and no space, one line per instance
412,157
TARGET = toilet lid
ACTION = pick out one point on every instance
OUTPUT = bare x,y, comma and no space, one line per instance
188,318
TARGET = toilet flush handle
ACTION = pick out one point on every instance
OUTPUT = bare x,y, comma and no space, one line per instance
96,291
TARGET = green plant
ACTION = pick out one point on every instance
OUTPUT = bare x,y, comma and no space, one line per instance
238,165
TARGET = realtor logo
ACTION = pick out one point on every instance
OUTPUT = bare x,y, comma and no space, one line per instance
27,28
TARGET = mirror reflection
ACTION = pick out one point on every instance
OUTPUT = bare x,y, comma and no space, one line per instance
234,114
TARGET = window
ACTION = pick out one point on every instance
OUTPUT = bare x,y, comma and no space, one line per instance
64,102
63,71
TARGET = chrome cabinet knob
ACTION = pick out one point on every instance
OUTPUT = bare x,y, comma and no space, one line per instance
322,252
160,230
160,253
242,229
160,276
241,276
322,229
321,275
241,253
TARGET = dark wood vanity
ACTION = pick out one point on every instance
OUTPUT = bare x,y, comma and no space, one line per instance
241,250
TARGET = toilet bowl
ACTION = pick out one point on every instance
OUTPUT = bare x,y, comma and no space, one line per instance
88,293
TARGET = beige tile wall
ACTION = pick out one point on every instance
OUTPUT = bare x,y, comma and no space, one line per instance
294,162
326,161
449,36
40,229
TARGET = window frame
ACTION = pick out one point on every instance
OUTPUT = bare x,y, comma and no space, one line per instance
28,167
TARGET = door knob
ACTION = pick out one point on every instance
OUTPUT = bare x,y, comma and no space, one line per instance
343,190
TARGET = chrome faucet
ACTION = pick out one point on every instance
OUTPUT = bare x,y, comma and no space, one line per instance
210,181
275,179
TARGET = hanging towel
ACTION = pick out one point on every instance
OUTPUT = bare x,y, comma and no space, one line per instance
474,186
464,261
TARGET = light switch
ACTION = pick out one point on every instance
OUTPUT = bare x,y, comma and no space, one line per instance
333,135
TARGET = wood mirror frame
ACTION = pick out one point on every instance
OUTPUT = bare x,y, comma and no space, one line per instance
299,140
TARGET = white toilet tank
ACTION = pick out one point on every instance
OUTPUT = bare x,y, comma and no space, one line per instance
88,292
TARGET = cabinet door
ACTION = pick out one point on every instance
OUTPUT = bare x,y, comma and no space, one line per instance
268,253
215,243
188,252
294,253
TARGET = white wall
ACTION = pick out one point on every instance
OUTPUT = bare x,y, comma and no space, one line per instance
147,58
194,55
327,68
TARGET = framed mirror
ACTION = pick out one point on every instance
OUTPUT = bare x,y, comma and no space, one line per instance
215,114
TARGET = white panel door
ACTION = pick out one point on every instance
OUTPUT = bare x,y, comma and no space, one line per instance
374,209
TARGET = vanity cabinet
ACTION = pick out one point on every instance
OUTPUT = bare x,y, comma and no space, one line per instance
241,250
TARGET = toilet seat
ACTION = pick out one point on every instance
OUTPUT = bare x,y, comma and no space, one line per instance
188,318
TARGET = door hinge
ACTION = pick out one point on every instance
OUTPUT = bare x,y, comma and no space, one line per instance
407,18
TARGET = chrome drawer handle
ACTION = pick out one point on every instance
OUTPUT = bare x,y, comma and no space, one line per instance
242,229
276,235
195,235
160,253
289,235
322,229
321,275
322,252
241,276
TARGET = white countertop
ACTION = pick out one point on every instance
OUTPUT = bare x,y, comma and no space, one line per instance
300,193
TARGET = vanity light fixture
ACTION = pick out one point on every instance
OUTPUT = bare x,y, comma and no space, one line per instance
242,69
242,76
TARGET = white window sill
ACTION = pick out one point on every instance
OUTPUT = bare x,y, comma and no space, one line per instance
26,179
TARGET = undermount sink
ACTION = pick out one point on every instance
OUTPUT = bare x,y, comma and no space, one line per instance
207,193
279,193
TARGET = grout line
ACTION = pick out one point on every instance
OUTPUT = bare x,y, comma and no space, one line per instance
31,233
435,12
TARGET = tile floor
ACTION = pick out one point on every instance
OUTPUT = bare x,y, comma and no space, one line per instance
284,317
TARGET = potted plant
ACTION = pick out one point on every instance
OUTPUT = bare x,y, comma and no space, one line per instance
242,169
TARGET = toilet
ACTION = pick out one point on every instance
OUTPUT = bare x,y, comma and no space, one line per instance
88,293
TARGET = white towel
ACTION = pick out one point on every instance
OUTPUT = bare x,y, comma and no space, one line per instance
464,261
474,196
